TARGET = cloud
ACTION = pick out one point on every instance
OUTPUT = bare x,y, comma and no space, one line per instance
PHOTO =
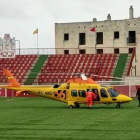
13,9
83,10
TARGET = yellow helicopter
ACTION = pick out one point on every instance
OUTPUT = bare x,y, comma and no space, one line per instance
73,92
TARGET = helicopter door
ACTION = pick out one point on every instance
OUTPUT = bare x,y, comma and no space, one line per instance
104,96
82,95
97,92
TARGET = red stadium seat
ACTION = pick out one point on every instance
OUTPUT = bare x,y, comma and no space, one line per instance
18,66
61,65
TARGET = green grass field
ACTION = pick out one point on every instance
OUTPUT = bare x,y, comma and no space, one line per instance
44,119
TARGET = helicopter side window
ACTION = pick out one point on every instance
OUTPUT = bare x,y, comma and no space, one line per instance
74,93
56,86
82,93
103,93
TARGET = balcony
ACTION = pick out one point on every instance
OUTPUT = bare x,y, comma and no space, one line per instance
131,41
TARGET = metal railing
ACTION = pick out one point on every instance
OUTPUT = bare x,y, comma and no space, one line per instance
105,83
35,51
131,40
51,51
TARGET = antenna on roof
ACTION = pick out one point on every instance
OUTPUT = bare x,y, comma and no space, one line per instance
83,76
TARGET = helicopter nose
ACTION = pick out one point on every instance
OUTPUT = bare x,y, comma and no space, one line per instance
129,99
125,98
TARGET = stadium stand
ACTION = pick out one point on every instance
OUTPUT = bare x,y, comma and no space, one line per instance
43,69
20,66
120,66
62,66
37,67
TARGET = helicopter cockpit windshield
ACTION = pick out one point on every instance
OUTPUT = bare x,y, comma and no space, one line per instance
113,93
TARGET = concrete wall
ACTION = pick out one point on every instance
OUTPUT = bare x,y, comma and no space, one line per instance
2,93
127,90
107,27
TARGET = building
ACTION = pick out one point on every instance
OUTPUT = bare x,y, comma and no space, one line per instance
110,36
7,47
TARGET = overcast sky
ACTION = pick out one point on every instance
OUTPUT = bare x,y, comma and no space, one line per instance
20,18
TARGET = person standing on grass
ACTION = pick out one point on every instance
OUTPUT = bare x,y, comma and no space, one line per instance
138,95
90,95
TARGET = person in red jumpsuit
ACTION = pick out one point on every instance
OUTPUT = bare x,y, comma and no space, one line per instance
90,95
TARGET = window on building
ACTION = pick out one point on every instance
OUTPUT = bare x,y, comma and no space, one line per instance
66,51
74,93
116,35
99,51
103,93
66,37
82,51
132,37
82,39
116,51
82,93
130,50
99,38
